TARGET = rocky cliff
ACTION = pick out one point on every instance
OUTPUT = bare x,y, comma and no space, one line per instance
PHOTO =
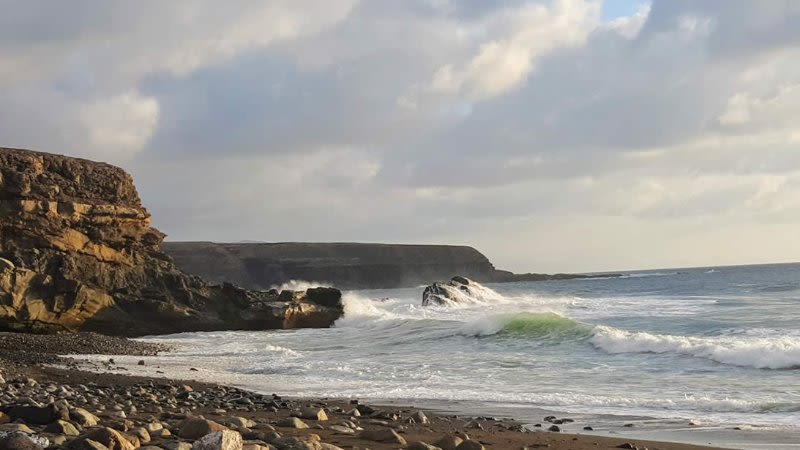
77,252
346,265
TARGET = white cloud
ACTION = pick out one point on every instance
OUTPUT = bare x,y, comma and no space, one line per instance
121,126
531,129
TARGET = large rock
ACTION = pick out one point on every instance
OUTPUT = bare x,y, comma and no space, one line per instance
109,437
220,440
386,435
195,428
78,253
32,414
18,441
448,292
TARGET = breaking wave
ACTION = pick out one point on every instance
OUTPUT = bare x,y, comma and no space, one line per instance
744,351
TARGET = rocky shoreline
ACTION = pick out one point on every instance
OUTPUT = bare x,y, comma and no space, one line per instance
68,408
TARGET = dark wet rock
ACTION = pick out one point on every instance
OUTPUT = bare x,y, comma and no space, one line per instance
32,414
444,293
554,428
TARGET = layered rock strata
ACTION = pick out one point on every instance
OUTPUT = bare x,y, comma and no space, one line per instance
77,252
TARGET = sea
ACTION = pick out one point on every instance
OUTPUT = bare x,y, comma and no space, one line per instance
704,355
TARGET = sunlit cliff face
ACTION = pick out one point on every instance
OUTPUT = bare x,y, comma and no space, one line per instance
563,135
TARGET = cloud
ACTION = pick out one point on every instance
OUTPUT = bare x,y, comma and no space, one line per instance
532,129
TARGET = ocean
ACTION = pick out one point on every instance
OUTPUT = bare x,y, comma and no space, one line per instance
702,355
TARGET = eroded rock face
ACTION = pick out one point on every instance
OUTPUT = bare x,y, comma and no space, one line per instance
77,252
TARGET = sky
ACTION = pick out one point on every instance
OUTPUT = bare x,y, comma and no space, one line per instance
560,135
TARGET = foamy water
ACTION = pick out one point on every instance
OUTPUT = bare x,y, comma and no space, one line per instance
719,348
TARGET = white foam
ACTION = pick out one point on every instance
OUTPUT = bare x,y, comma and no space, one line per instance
763,353
299,285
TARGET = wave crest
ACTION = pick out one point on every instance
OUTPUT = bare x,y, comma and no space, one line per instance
744,351
528,324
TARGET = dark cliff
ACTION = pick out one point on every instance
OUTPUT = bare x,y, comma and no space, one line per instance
345,265
77,253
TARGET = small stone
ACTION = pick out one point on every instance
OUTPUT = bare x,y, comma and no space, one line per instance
420,417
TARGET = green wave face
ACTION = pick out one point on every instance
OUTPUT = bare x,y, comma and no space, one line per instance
544,325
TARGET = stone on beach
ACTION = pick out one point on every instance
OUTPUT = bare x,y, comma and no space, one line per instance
195,428
292,422
219,440
313,414
18,441
448,442
83,417
386,435
109,437
62,427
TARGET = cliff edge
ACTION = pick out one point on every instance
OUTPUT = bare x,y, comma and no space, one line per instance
346,265
77,252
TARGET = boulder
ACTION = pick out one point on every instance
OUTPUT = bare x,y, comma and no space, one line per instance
313,413
448,442
448,292
325,296
83,417
219,440
18,441
292,422
419,445
470,445
195,428
108,437
32,414
386,435
62,427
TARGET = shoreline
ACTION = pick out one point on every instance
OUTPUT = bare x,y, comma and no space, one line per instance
388,422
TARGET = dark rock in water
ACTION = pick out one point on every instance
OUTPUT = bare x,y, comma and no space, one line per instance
78,253
588,428
443,293
554,428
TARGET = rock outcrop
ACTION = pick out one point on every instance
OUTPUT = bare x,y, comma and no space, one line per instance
454,290
77,252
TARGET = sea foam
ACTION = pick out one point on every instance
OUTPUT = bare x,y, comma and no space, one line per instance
761,353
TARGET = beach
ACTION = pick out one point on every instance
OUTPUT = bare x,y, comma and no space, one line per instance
34,373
